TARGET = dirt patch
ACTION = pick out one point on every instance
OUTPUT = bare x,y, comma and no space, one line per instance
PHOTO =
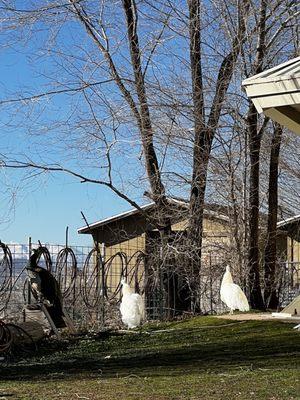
258,317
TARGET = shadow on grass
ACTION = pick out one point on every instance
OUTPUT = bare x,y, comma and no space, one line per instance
253,345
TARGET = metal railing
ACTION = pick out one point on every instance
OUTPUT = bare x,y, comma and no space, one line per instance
289,282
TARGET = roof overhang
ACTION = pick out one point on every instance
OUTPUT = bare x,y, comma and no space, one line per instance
106,221
135,222
288,221
276,93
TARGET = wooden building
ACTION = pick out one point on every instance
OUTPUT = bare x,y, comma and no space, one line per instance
130,240
289,252
133,230
130,230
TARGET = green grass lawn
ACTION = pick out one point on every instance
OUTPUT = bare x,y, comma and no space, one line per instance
202,358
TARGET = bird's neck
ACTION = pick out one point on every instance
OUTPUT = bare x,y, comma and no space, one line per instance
227,278
126,289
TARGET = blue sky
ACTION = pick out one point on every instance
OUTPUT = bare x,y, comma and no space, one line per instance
46,57
45,213
49,56
44,206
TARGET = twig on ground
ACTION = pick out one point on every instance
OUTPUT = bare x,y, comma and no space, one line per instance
81,397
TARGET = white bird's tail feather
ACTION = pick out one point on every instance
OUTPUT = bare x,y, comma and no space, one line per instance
233,296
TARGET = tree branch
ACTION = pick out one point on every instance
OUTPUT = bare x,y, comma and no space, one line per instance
57,168
91,30
146,130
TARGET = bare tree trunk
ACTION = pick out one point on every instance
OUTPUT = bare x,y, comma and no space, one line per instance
152,167
255,135
256,299
201,144
270,293
236,217
205,131
200,153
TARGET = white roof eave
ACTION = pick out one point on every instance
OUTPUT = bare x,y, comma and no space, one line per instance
288,221
276,93
282,71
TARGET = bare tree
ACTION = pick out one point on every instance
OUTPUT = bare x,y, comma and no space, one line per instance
133,96
132,79
269,31
270,293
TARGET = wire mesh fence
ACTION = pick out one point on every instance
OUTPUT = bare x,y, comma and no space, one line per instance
64,263
90,281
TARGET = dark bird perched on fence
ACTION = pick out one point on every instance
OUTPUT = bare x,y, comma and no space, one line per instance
45,289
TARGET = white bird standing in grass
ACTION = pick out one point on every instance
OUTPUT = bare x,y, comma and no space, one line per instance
232,295
132,306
